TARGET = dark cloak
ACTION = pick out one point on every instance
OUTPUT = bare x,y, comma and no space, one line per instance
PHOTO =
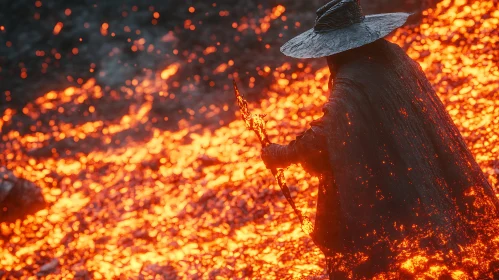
391,161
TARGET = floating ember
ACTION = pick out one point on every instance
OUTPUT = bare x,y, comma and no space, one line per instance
129,199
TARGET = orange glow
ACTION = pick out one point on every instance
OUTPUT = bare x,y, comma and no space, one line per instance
103,29
58,28
264,23
187,23
200,201
209,50
169,71
221,68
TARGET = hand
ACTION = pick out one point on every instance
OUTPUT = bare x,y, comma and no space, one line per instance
270,155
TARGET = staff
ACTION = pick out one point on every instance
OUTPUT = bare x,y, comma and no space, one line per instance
257,124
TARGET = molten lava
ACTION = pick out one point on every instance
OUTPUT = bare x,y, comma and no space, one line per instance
198,202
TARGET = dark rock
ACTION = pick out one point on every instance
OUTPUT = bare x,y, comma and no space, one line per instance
208,161
102,240
18,197
142,234
82,274
494,269
165,271
48,268
209,194
113,62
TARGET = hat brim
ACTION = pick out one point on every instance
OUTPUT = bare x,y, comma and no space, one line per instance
314,45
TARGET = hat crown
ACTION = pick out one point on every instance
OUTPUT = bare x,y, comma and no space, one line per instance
338,14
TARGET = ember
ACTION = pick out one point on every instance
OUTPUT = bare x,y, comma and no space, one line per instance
200,202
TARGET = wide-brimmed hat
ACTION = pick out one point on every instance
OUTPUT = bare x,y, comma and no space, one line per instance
341,26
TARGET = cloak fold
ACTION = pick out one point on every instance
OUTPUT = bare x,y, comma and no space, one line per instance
396,164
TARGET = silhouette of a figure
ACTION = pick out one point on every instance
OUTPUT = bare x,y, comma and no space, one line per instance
392,163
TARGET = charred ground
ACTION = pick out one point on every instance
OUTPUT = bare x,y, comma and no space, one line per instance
51,45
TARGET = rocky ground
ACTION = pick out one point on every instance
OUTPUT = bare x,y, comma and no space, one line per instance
52,44
117,188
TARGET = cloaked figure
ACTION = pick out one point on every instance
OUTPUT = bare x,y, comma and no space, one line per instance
392,164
